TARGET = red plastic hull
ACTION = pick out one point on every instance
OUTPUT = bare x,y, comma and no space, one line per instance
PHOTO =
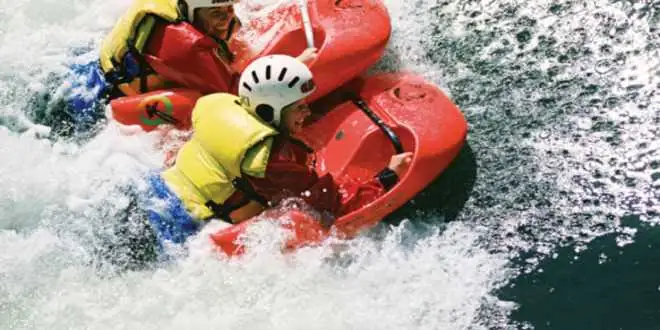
350,146
141,109
351,35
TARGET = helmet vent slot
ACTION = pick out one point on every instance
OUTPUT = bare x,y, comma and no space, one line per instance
281,77
293,82
254,77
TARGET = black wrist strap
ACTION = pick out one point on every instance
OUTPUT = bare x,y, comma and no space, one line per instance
388,178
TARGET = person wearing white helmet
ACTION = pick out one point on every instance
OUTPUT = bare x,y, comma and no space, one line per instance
158,44
216,18
243,157
274,83
173,43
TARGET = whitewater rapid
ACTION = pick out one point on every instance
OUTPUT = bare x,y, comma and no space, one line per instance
562,104
55,195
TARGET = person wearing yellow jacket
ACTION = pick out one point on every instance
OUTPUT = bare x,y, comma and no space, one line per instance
155,44
161,43
242,157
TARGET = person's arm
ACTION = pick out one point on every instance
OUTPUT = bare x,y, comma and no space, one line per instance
354,195
286,177
308,56
271,176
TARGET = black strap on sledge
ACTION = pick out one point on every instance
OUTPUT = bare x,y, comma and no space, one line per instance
152,111
388,131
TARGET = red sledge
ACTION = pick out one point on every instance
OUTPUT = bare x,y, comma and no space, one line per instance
350,35
359,127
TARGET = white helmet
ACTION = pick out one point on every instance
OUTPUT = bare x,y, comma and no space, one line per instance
197,4
271,83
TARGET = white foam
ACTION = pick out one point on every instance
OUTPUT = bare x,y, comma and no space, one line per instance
53,194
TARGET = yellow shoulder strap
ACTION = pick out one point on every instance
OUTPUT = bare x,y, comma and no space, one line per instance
240,130
143,32
256,159
136,25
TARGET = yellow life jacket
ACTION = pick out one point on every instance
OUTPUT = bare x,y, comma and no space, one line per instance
227,142
131,34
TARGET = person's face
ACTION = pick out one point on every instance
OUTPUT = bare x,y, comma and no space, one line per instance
215,21
293,117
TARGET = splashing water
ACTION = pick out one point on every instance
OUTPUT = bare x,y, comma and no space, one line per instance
58,195
562,101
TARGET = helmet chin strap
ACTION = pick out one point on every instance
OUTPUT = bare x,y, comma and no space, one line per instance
231,28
